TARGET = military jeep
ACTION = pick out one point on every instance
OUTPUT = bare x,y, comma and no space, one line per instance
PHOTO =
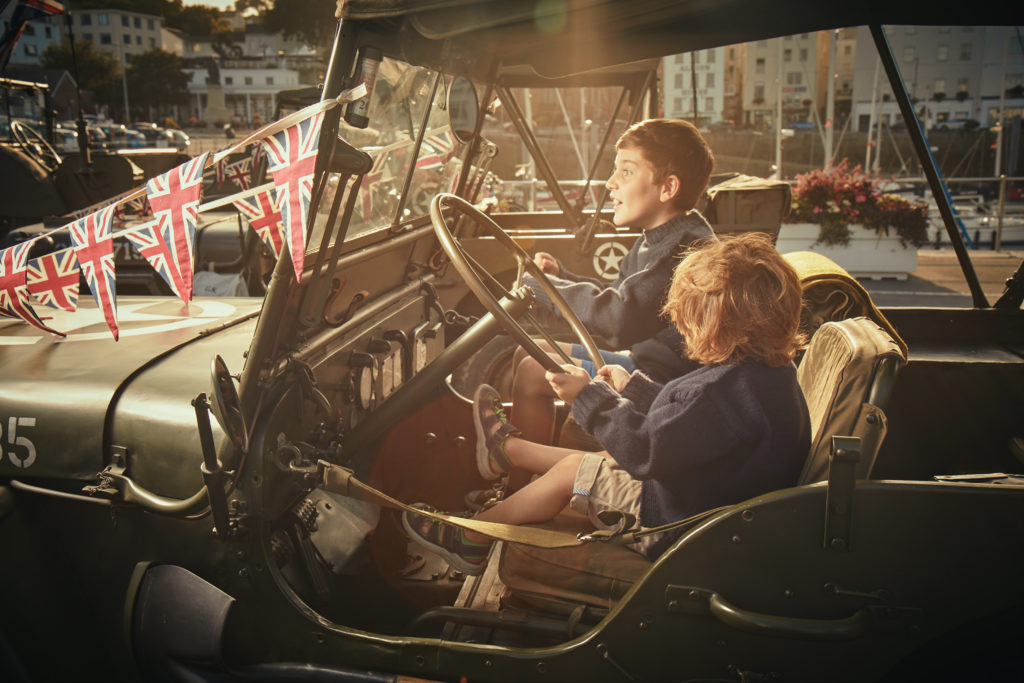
216,495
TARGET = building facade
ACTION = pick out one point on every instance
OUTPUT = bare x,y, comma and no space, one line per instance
695,86
953,73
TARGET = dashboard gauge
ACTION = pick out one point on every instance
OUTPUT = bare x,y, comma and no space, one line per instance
365,380
387,376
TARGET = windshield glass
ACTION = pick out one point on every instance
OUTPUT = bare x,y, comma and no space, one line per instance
403,95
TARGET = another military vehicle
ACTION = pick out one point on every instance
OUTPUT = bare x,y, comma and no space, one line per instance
144,539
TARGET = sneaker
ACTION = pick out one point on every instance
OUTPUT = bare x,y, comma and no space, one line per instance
448,541
479,500
492,430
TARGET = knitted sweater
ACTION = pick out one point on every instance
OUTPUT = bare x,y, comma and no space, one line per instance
626,312
716,436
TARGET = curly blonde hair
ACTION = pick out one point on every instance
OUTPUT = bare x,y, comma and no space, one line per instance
735,299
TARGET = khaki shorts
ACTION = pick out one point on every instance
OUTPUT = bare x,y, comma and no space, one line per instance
602,485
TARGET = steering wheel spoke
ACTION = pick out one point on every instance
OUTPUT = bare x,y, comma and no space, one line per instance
482,283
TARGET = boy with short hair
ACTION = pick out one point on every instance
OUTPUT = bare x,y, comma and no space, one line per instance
661,169
734,428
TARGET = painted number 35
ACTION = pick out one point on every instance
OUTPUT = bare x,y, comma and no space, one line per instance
19,448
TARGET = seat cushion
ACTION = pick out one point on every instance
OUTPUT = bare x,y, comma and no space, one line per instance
596,574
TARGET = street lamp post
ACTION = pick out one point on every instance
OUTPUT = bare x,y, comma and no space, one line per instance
124,85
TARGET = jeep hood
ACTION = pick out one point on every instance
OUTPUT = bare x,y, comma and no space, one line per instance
67,404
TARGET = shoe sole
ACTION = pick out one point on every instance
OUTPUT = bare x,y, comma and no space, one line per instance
456,561
483,456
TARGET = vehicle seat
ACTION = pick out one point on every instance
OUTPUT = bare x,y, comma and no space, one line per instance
846,374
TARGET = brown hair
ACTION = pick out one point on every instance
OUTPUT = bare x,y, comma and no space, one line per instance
734,299
673,147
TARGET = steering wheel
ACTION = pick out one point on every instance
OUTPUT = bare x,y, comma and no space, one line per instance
484,286
36,146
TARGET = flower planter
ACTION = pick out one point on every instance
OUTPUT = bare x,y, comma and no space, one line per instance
867,255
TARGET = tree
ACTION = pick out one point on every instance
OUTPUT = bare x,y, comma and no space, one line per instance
312,21
155,79
99,72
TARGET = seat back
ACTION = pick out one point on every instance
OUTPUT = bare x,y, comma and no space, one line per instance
847,374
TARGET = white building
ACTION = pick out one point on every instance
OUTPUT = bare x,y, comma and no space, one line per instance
38,35
708,68
952,72
119,31
249,89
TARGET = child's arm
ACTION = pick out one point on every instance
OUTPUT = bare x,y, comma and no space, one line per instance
568,384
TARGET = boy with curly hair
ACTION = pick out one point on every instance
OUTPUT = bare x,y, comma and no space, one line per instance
734,428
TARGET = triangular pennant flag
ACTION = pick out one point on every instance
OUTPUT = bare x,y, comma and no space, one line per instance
291,156
155,245
14,286
53,279
264,216
94,250
239,173
174,198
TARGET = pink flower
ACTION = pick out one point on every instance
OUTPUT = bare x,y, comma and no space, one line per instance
817,209
861,199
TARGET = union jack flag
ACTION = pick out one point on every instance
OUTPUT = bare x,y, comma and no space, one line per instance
133,207
174,199
154,245
264,215
238,172
94,248
53,279
14,287
291,155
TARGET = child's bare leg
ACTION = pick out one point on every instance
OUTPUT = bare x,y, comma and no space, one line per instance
537,458
538,501
532,397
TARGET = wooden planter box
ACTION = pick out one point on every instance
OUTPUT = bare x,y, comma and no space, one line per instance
867,255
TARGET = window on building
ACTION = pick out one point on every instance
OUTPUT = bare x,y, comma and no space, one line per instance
105,39
709,104
29,29
1013,80
709,56
86,20
758,92
909,53
103,19
152,42
248,80
149,24
847,50
787,55
677,104
940,85
732,53
229,80
127,39
125,22
803,54
759,65
794,78
961,85
965,52
942,53
137,21
48,31
678,80
270,80
128,59
31,50
709,79
138,40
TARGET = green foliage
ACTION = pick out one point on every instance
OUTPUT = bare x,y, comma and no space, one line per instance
840,196
310,20
196,20
99,72
155,78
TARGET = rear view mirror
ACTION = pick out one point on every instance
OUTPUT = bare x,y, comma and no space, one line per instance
463,109
227,407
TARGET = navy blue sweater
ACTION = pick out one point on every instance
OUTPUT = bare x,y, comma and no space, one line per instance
715,436
627,312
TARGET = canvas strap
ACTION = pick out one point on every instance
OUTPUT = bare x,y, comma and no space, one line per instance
341,480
